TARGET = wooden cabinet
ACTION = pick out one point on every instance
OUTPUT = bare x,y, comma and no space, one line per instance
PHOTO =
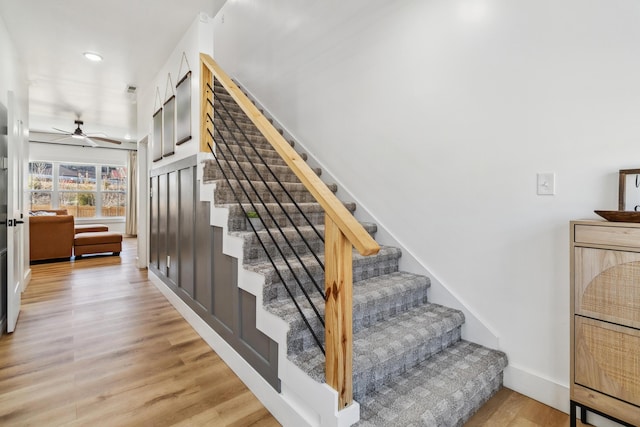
605,320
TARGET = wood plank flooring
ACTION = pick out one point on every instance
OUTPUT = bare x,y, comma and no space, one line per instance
508,408
98,345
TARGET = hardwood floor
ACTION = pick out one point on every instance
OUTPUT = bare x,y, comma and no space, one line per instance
511,409
98,344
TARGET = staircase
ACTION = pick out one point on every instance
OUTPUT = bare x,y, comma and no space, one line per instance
410,365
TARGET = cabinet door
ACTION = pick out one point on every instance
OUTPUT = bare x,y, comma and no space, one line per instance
607,285
607,359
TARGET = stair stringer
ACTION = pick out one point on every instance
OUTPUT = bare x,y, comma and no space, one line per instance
302,400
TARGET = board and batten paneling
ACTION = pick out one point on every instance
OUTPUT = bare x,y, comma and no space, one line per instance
172,228
153,222
186,253
187,231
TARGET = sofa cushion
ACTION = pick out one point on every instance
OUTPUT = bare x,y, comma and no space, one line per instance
97,242
42,213
90,228
97,238
50,237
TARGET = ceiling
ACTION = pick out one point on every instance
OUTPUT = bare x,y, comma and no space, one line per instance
135,37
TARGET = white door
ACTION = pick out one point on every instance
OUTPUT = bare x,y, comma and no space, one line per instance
15,221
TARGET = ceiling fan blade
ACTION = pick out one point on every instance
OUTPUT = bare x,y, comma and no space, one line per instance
51,136
92,134
66,132
90,141
112,141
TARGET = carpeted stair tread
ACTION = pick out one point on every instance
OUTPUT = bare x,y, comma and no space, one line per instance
254,171
311,210
237,126
286,238
243,136
389,348
241,154
269,192
384,262
374,300
443,391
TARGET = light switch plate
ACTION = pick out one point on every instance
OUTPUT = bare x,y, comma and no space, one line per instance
546,184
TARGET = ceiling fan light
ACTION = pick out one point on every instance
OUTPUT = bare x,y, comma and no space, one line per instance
76,136
92,56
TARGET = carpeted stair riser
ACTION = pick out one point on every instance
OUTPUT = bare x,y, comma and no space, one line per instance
312,211
235,117
254,172
241,154
268,193
443,391
387,349
270,156
384,262
374,300
232,114
221,95
254,252
236,136
229,122
250,139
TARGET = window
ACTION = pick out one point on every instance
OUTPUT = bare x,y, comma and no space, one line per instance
85,191
40,185
77,190
113,190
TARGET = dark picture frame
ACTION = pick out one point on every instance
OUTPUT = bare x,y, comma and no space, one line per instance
183,109
169,127
629,190
157,135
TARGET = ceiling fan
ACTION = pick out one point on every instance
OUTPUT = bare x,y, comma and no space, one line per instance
79,134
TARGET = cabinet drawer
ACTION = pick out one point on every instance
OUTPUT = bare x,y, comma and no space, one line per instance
607,235
607,359
607,285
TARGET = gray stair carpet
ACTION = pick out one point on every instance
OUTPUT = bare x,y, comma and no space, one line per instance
410,366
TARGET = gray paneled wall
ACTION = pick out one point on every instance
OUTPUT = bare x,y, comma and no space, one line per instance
186,252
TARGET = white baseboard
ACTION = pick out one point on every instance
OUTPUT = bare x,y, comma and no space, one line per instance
537,387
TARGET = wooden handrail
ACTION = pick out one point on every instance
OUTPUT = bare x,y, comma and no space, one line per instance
342,232
352,229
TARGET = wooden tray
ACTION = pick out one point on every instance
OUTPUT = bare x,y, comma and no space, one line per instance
620,216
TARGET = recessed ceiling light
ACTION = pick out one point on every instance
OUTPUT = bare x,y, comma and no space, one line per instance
91,56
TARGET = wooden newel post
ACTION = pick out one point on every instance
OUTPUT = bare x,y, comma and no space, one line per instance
338,316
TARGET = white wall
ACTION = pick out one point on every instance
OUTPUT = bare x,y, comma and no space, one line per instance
198,38
12,79
66,153
437,115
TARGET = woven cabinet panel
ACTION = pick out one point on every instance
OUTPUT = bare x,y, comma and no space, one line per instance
608,285
608,359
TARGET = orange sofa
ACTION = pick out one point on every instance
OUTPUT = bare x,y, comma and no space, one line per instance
51,237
